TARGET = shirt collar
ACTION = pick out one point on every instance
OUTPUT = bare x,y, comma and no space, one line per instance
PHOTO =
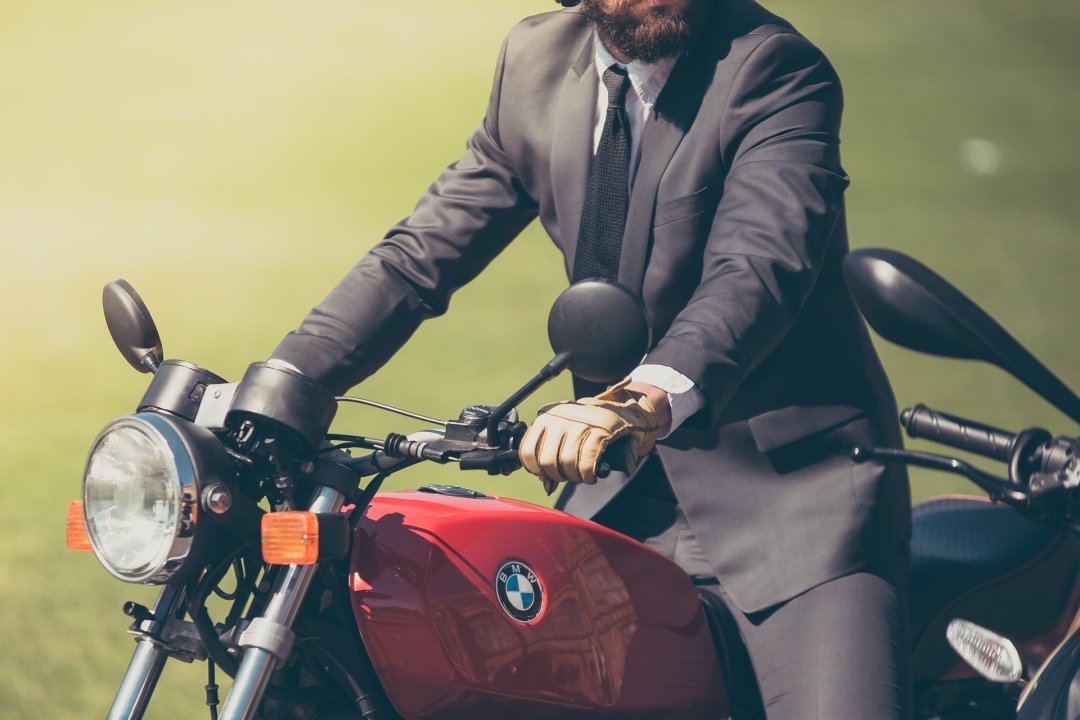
647,79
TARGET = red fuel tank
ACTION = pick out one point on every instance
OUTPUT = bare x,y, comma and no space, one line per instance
484,607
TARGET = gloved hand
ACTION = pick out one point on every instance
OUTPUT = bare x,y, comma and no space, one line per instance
566,441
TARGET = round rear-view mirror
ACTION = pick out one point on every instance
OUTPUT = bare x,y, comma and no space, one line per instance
603,326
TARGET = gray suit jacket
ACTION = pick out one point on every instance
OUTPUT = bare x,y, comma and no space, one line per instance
734,238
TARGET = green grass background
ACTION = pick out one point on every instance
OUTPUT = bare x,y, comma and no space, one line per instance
231,160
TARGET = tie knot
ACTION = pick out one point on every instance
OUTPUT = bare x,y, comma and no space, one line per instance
617,83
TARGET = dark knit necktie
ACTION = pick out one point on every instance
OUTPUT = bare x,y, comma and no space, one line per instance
607,196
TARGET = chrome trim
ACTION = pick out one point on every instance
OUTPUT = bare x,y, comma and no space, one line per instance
144,670
185,521
139,681
288,594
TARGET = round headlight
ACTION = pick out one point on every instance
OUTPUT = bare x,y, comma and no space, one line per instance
140,498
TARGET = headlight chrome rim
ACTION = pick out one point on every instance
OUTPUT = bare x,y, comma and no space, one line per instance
183,515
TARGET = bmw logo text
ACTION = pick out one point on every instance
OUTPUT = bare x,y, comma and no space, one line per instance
519,591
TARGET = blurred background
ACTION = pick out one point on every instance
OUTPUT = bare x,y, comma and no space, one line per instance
231,160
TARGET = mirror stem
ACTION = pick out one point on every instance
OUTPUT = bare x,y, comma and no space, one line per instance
554,366
150,362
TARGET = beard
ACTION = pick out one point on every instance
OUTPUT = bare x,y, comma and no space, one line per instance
664,32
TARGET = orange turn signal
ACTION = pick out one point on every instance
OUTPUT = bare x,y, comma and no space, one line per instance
77,538
290,538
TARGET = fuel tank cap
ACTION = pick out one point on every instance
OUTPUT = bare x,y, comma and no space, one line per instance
453,491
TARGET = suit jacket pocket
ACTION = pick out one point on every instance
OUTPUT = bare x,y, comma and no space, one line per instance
683,207
787,425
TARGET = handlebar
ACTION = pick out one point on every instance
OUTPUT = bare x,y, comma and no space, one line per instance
1044,471
923,422
613,459
380,462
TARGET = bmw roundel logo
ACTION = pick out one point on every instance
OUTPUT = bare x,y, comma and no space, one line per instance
519,591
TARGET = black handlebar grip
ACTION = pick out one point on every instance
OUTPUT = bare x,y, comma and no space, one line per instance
923,422
614,458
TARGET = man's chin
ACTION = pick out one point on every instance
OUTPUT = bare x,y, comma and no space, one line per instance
664,31
649,43
669,6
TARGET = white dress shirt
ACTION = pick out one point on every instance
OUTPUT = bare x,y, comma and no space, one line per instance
647,80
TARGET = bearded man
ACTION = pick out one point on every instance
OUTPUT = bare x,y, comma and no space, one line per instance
689,150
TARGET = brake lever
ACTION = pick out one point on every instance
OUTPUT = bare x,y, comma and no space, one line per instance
996,488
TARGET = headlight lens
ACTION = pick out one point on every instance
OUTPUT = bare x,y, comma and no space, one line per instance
137,493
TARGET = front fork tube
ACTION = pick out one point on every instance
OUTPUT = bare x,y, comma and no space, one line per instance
268,640
146,664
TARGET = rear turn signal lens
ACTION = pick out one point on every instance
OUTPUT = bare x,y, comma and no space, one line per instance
290,538
77,539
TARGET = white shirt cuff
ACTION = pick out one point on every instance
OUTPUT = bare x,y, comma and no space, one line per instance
684,397
283,364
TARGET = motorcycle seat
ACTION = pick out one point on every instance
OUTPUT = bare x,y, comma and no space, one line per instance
986,563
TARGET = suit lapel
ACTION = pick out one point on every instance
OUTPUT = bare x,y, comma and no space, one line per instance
571,146
673,115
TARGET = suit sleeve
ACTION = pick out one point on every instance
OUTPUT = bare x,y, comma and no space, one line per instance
781,201
470,214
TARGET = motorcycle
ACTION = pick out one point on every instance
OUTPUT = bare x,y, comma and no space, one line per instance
439,603
978,568
444,602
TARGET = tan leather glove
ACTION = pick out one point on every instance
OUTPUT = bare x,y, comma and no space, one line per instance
566,441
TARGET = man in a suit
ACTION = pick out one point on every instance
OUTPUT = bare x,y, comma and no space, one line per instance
689,150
